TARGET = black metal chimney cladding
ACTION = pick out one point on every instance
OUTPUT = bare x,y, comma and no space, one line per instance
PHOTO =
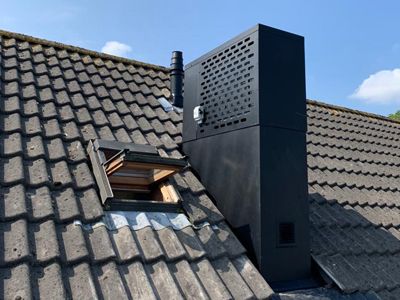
244,130
176,77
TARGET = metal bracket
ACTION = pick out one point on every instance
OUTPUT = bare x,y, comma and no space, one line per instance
198,114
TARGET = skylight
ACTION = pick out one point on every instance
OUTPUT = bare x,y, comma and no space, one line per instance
131,176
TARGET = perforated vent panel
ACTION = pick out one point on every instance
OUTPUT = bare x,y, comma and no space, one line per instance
228,90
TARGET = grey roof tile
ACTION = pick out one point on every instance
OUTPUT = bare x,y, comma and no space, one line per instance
122,135
60,174
130,122
109,281
81,282
10,62
125,245
88,132
11,88
187,280
102,92
83,77
338,267
31,107
51,128
99,117
15,245
153,140
16,282
47,94
106,133
210,280
144,125
78,100
174,117
122,108
200,208
191,243
11,104
137,281
29,91
36,173
173,248
46,244
73,243
82,175
55,149
89,204
65,202
74,87
138,138
228,239
115,120
108,105
171,128
11,122
163,281
27,78
192,182
48,110
43,81
40,69
211,243
232,279
83,115
93,103
10,75
61,97
252,277
148,244
70,131
13,202
12,170
40,203
115,94
168,143
100,244
12,145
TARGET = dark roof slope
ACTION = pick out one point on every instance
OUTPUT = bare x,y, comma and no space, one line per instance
354,186
54,98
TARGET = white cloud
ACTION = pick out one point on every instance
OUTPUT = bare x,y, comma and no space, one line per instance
383,87
116,48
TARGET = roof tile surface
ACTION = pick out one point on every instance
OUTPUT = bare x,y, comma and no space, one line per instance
353,161
54,99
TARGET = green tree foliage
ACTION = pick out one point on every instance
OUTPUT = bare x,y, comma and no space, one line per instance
395,116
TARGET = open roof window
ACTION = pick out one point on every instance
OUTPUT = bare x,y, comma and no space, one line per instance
132,176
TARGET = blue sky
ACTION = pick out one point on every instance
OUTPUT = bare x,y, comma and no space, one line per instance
352,47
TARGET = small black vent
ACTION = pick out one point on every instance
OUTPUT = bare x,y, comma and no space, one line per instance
227,87
287,234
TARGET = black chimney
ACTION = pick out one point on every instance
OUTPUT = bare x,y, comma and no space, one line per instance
176,77
244,130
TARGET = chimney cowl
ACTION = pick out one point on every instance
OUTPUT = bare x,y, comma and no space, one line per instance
176,78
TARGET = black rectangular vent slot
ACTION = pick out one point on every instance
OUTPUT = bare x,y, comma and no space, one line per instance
287,234
227,87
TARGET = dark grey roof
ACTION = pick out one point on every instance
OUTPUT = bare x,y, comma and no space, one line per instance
54,98
354,172
325,294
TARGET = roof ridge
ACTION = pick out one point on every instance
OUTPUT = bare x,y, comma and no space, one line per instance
350,110
93,53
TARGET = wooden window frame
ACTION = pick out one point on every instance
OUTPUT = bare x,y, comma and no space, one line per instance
134,177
